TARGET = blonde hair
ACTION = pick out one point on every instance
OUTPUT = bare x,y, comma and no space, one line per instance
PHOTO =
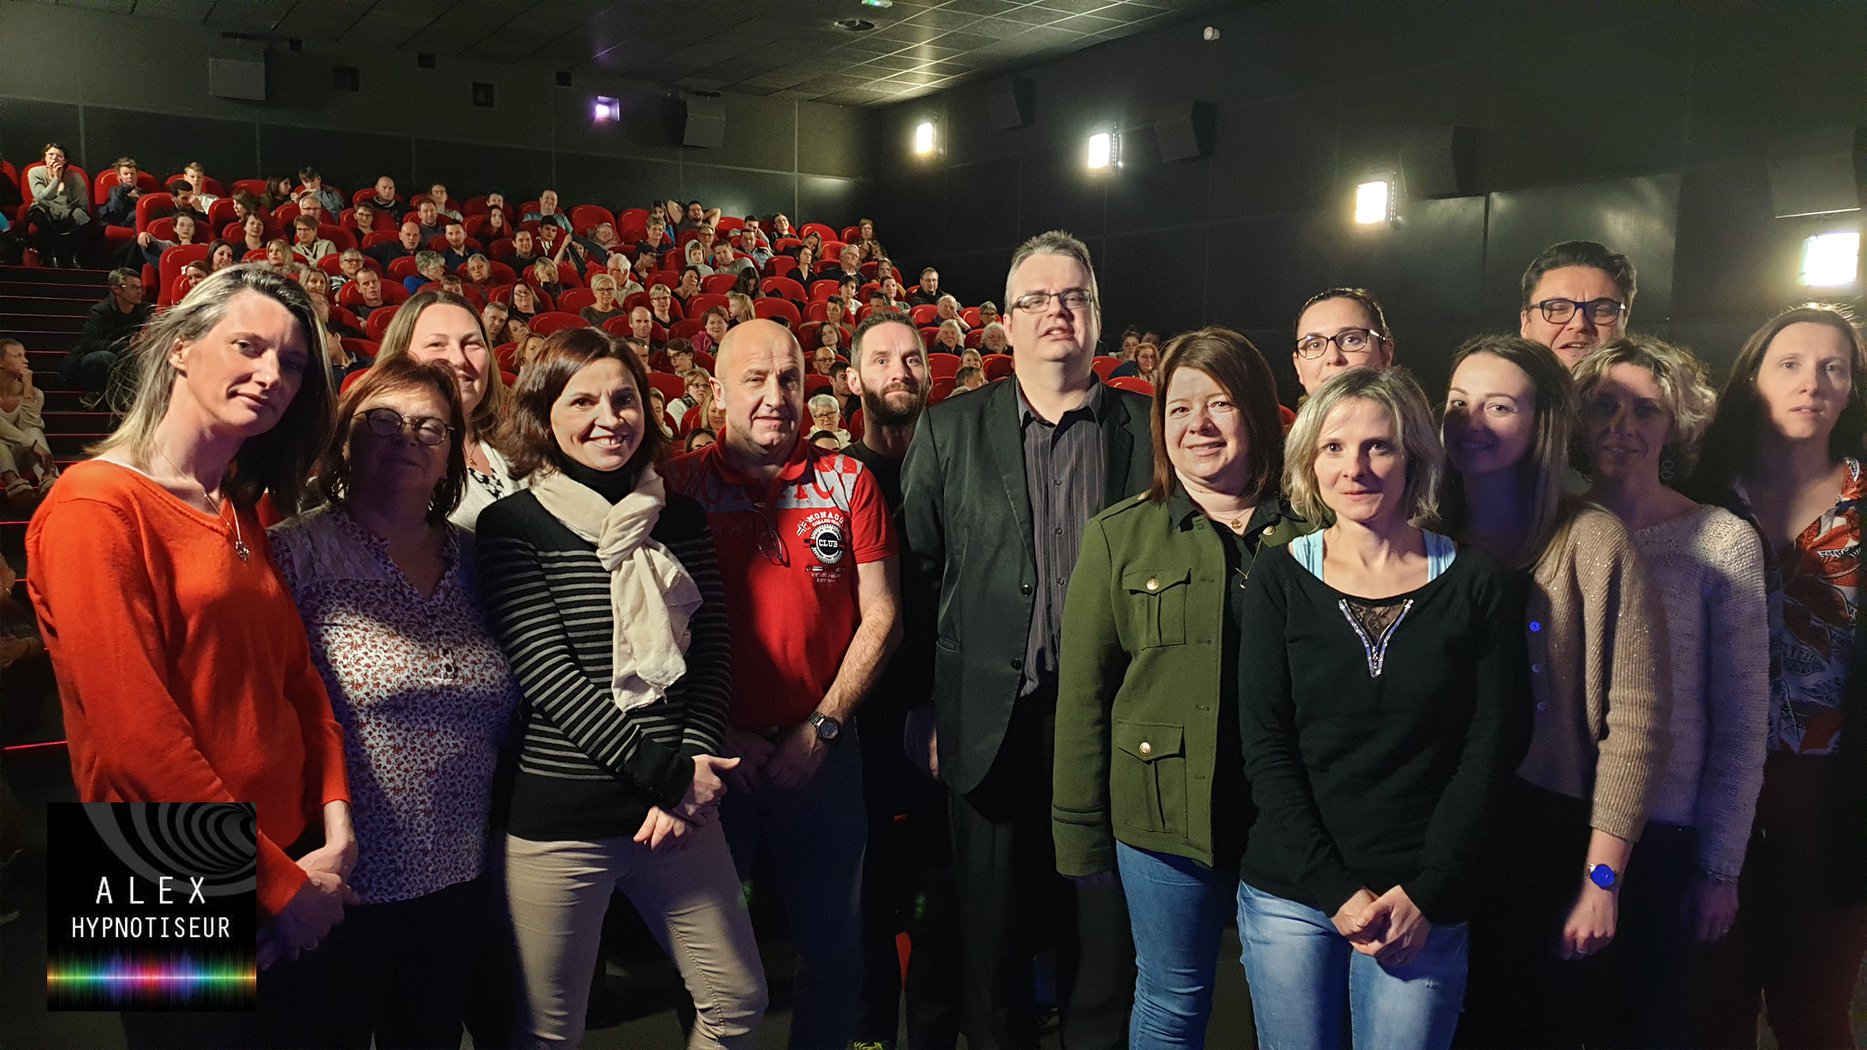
1690,399
401,331
1396,391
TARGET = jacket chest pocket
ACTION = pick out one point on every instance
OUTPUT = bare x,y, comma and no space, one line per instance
1147,788
1157,603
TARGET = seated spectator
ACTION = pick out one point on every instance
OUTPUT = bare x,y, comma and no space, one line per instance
878,301
478,273
850,399
246,206
369,292
349,261
253,234
781,228
680,356
661,306
994,340
342,362
846,301
495,227
747,240
806,257
197,178
968,378
748,285
60,212
1146,363
311,184
626,285
455,255
20,644
929,291
524,249
970,358
308,245
279,254
428,221
438,194
603,287
708,236
695,257
523,304
826,440
891,289
278,192
599,246
518,329
708,341
655,240
739,307
493,319
543,275
642,326
988,313
407,242
751,226
643,269
453,285
548,212
950,340
321,304
361,220
689,286
640,351
948,308
386,200
725,260
830,337
108,328
147,248
120,208
850,261
658,408
695,216
821,359
826,417
699,437
27,469
699,392
814,242
222,255
496,202
524,353
314,208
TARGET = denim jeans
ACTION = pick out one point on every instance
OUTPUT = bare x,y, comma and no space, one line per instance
816,835
1301,970
1177,908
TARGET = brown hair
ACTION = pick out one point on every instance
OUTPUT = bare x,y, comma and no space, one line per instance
398,373
1237,366
565,353
1360,295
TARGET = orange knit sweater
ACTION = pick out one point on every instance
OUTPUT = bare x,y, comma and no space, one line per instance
184,671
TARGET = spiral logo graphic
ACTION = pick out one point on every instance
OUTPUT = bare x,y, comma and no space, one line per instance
211,841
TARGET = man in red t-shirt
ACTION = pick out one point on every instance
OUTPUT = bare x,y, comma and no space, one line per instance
808,556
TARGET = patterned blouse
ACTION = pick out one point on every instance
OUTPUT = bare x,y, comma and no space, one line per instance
421,690
1813,594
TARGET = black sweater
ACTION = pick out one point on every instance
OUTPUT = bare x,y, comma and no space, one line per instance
1378,781
586,770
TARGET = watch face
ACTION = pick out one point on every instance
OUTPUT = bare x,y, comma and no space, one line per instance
1602,876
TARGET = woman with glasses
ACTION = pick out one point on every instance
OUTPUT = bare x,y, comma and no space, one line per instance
384,583
1784,454
440,326
1568,822
1339,329
604,588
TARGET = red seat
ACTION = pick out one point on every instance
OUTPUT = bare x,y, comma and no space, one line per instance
586,217
350,297
998,366
925,314
688,328
172,262
973,339
1134,383
815,384
575,299
617,326
362,347
821,291
783,286
703,302
970,315
632,224
671,386
719,283
208,183
939,390
1102,366
778,309
367,193
339,237
378,221
152,206
506,355
544,322
378,322
402,269
928,335
350,381
807,335
943,366
826,233
780,266
107,181
850,233
671,278
256,187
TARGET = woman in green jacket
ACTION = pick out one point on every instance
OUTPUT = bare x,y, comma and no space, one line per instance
1148,777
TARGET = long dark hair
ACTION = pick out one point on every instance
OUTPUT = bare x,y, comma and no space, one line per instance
1238,367
1730,447
532,445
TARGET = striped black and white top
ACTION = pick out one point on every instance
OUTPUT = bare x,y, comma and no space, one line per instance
586,770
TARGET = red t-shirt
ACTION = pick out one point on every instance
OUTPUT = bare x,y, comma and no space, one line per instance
789,555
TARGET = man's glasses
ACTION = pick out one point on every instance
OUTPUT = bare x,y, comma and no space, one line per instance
1074,299
1348,340
1599,311
770,540
387,422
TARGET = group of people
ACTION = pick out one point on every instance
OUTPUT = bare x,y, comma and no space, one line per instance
1479,744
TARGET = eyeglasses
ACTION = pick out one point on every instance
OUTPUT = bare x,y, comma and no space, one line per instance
1600,311
387,422
1036,302
1348,340
771,541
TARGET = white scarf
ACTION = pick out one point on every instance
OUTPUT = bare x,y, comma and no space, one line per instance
651,596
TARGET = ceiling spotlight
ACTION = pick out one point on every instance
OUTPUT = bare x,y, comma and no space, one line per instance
1831,259
924,138
1374,201
606,110
878,3
1104,150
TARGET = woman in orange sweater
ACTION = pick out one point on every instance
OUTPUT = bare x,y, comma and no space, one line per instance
181,659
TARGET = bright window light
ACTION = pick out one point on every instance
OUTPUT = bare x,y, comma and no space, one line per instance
1101,149
1373,202
1830,259
605,110
924,137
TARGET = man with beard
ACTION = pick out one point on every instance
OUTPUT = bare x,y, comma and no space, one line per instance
907,860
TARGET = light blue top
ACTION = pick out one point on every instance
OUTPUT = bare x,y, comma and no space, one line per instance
1440,550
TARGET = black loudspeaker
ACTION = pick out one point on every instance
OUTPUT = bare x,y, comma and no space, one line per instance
697,121
1010,106
1817,172
1184,131
1436,162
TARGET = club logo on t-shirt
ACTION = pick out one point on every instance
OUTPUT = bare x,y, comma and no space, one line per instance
823,534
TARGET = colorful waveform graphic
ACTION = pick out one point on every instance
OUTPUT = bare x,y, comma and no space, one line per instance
176,982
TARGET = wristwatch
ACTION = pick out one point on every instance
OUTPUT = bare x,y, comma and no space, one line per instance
828,729
1603,876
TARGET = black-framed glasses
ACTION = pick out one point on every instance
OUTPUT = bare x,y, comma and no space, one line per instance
770,540
1600,311
387,422
1348,340
1036,302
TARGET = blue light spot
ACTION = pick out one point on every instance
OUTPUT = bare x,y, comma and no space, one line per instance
1535,626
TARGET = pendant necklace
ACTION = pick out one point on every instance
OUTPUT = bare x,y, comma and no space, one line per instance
239,542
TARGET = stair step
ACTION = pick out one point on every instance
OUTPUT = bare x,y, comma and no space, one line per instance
12,304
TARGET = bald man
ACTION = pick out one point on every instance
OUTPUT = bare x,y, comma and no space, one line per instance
809,560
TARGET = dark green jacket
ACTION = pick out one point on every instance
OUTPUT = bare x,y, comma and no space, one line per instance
1139,687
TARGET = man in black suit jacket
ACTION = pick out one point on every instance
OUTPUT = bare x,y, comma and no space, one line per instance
996,490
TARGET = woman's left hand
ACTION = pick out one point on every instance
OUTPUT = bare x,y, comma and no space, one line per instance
661,831
1712,909
1403,929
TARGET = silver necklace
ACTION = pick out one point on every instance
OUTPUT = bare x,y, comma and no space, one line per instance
239,542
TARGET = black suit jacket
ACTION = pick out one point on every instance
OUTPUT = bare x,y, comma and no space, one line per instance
967,524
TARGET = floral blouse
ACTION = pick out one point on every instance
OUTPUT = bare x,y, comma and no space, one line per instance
1813,593
423,694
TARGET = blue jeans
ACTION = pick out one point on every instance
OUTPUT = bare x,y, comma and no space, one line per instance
1177,908
815,835
1300,971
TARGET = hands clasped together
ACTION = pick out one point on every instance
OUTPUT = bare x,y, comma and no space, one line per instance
1389,928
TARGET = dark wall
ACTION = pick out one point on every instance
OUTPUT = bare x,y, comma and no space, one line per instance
1646,126
107,85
